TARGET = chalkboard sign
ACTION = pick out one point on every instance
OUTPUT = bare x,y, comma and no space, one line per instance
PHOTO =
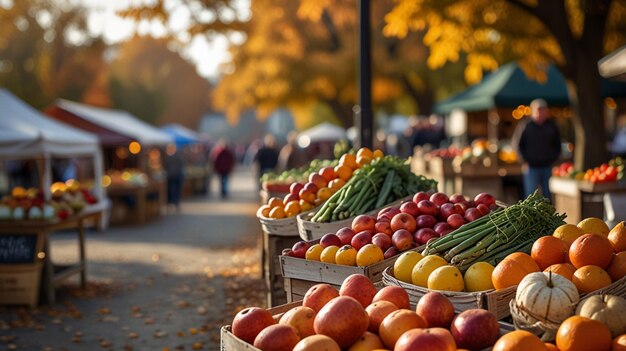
18,249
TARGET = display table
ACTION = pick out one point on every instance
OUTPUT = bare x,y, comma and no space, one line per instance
581,199
148,200
25,260
195,184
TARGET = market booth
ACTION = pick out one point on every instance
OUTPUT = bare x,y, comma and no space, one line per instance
194,152
31,216
135,180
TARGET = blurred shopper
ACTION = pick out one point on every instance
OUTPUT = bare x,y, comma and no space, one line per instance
223,159
538,142
175,169
291,155
267,156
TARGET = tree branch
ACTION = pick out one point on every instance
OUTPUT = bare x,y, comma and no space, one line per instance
332,31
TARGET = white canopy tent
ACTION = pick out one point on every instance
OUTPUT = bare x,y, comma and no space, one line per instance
118,121
323,132
26,133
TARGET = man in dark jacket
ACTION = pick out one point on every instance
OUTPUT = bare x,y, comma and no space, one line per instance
223,163
538,143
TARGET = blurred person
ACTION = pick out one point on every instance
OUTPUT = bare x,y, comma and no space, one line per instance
175,169
267,156
291,155
223,159
538,143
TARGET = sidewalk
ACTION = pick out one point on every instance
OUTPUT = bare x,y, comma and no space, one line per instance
168,285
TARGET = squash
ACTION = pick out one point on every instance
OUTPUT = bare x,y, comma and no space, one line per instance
608,309
545,297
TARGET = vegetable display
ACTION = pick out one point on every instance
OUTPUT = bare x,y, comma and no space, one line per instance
491,238
383,181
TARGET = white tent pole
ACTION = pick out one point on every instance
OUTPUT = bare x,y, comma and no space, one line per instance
98,168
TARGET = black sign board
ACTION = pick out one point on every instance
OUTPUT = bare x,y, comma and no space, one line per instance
18,249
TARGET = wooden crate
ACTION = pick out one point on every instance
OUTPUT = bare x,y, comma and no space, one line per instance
19,285
495,301
272,247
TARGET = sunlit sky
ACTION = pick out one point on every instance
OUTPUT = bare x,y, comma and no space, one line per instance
206,53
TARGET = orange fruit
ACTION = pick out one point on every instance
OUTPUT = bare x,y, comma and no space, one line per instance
329,253
368,255
568,233
591,249
519,340
324,193
346,256
590,278
314,252
551,347
377,154
594,225
348,160
318,180
619,343
549,250
292,208
336,184
365,151
344,172
578,333
275,202
277,213
617,237
305,205
525,260
328,173
617,268
564,269
512,270
363,160
308,196
264,211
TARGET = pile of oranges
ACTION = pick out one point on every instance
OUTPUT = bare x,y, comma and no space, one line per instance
320,186
588,254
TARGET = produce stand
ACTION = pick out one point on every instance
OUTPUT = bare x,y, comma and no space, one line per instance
195,182
19,283
581,199
150,199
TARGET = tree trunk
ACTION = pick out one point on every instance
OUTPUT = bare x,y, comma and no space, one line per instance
343,112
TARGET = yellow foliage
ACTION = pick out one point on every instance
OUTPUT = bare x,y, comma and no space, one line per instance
312,9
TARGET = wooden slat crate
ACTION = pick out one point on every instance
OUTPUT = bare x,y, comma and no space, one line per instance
272,247
496,301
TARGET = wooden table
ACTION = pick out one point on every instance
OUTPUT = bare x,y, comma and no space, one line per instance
52,274
141,194
580,199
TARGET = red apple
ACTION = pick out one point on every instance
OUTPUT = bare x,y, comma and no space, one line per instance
472,214
475,329
394,294
359,287
277,337
318,180
299,249
484,198
330,239
442,227
377,311
392,251
403,221
422,236
484,209
427,207
301,318
402,239
363,222
425,221
431,339
396,323
295,188
436,309
361,239
319,295
382,240
383,225
461,207
310,187
420,196
446,210
249,322
291,197
387,212
343,319
456,198
410,207
345,235
455,221
439,198
287,252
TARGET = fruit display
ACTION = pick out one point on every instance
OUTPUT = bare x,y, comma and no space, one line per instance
29,204
608,172
395,229
126,177
491,238
384,180
280,182
358,317
320,186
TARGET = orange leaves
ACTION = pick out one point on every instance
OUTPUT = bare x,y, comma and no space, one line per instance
312,9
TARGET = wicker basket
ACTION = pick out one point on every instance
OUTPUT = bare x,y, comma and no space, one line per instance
495,301
279,227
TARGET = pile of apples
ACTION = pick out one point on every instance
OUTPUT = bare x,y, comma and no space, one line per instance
360,317
395,229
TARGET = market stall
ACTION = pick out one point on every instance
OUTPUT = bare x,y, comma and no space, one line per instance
135,179
30,217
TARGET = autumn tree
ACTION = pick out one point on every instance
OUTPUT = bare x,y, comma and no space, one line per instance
574,34
156,84
46,51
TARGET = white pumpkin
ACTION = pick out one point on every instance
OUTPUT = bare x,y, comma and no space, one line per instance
18,213
48,211
5,212
35,213
545,297
608,309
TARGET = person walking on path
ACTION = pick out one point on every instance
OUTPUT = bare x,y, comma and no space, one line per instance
538,143
291,155
175,169
267,156
223,163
